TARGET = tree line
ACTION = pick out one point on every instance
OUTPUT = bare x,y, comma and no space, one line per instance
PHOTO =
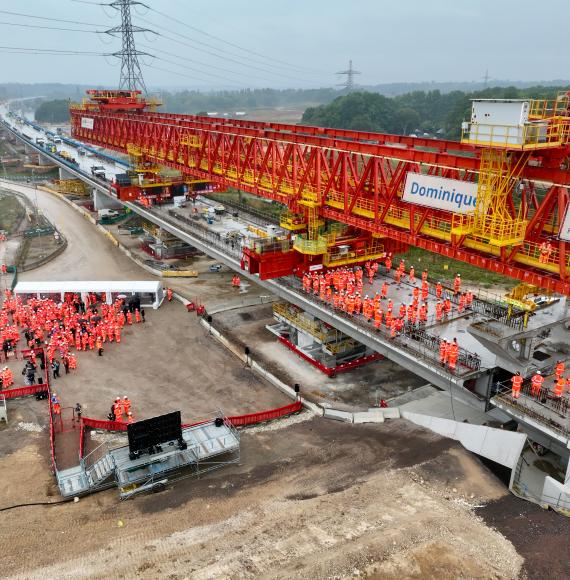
432,112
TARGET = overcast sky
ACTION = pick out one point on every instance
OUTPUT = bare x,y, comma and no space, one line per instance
388,41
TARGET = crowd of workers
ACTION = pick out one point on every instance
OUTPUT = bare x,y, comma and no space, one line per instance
537,389
58,328
343,288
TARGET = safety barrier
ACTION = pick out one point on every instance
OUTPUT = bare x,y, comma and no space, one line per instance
81,441
262,416
236,421
104,425
25,391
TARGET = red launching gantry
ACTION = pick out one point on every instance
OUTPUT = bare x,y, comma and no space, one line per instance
498,199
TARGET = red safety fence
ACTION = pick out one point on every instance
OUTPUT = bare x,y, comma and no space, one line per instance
25,391
82,441
104,425
262,416
236,421
18,354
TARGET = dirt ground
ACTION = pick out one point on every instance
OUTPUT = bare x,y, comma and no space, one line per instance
168,363
360,388
311,498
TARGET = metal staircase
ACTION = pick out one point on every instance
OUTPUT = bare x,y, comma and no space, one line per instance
100,470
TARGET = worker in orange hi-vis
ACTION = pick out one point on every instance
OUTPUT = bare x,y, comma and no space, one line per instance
412,275
118,409
357,304
453,355
126,405
137,315
457,284
388,262
424,275
388,317
393,328
516,381
129,317
443,351
545,252
423,313
461,305
438,290
438,312
402,311
536,384
169,294
425,290
384,290
402,266
118,334
130,418
559,387
416,293
559,369
398,276
378,318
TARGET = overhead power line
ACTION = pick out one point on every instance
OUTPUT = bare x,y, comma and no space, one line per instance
209,66
50,19
196,46
24,49
192,77
49,27
233,45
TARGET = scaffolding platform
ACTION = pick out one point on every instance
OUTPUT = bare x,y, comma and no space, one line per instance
210,445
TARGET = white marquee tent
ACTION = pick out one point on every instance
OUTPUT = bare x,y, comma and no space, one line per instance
150,292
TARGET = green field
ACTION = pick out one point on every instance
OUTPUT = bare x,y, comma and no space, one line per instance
442,268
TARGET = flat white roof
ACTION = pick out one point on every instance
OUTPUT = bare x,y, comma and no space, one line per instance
88,286
500,100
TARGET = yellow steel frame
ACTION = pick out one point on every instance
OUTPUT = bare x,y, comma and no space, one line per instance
491,219
333,341
71,186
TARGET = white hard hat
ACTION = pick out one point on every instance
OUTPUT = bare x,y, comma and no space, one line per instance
538,373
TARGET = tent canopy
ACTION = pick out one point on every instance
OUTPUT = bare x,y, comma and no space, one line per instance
151,291
52,287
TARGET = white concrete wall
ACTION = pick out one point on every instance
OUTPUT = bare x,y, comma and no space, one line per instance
504,447
556,494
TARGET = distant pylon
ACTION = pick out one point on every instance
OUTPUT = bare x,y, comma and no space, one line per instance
131,74
486,78
350,74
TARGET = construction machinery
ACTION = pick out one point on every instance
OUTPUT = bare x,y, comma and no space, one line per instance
513,158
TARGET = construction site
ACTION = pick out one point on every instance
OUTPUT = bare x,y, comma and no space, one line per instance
237,349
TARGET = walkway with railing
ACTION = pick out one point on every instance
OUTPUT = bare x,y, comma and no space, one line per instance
413,338
541,406
415,342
